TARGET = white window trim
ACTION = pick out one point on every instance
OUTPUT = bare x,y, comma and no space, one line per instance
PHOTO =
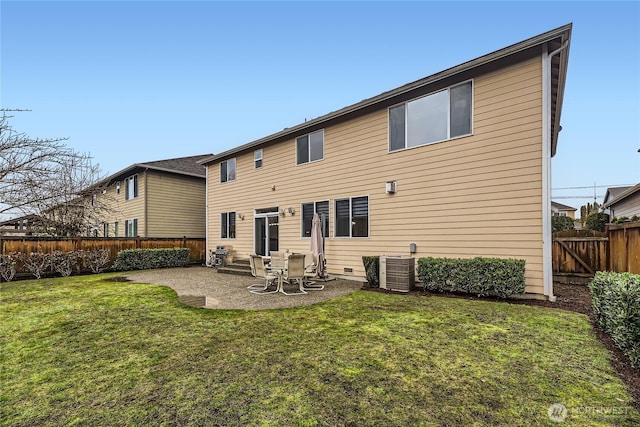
389,150
126,227
261,158
227,225
314,210
309,135
135,184
236,167
368,236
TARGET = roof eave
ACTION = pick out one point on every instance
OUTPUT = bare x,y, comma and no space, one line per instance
622,196
111,178
563,32
562,77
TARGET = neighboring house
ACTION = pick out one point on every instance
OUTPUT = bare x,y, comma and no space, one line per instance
558,209
622,201
457,163
20,226
164,198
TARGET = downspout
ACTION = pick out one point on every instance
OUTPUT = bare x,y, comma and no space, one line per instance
547,241
146,203
206,214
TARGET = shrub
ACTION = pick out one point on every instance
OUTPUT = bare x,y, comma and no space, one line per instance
561,223
480,276
64,262
372,269
7,267
97,259
616,304
144,259
35,262
596,221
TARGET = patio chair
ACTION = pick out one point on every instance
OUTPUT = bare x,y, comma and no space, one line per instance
258,271
277,259
310,272
294,273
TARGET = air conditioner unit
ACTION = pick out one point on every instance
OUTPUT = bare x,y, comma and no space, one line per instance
397,273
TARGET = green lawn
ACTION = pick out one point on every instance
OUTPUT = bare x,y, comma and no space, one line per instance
84,351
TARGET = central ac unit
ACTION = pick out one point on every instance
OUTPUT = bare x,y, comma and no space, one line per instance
397,273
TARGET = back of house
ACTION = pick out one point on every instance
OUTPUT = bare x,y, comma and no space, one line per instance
455,165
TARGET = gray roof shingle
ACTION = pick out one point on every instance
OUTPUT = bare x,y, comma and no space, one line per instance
188,165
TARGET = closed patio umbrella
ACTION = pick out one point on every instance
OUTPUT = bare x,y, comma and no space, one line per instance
317,243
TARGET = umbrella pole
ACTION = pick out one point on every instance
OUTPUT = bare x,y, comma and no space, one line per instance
323,267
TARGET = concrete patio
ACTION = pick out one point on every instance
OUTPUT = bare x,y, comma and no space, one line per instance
205,287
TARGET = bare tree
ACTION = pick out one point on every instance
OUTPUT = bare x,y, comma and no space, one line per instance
80,202
47,178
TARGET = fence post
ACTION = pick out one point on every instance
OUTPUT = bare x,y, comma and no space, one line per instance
138,242
626,249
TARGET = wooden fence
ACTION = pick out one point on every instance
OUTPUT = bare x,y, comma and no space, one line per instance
578,254
624,247
196,246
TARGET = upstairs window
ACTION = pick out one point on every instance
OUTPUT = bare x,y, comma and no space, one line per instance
352,217
257,158
131,187
308,209
228,170
432,118
228,225
310,147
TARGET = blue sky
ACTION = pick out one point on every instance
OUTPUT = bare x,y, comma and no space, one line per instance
131,82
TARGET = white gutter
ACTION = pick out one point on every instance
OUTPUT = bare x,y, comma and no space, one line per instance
547,240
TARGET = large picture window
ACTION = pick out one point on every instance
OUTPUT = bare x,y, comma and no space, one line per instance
228,225
352,217
228,170
131,187
432,118
310,147
308,209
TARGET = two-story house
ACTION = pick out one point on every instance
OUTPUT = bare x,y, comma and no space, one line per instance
558,209
456,164
164,198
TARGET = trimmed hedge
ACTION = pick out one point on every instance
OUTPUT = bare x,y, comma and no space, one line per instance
480,276
616,303
144,259
372,269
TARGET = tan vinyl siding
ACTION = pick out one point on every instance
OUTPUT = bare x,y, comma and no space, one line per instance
175,205
112,203
122,210
134,208
479,195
